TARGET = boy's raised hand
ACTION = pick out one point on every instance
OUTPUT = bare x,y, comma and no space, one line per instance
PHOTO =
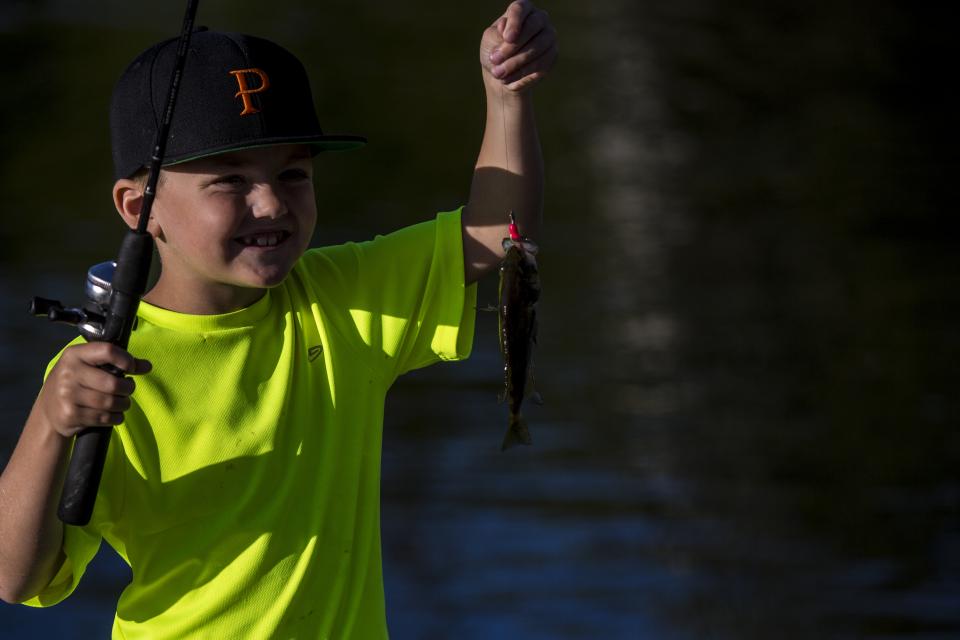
79,394
519,48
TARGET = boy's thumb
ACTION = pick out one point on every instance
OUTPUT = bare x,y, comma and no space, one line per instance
141,367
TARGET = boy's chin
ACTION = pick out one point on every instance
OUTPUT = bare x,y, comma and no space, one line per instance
266,267
267,280
265,276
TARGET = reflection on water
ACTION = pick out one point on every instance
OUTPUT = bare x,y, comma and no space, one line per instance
817,361
749,324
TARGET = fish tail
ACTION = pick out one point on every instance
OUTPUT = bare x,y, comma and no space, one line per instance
517,432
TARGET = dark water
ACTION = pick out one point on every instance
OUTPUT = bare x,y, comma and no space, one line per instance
749,329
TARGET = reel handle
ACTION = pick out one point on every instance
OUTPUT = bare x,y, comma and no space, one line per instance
41,307
54,311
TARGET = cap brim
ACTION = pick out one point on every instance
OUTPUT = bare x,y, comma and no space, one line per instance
318,144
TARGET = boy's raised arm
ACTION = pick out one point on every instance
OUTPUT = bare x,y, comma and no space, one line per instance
516,51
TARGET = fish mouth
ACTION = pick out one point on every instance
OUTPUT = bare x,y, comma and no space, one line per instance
524,244
264,239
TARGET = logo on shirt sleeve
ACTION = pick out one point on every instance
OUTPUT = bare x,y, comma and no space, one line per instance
314,352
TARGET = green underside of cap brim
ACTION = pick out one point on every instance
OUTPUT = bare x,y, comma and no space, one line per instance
317,145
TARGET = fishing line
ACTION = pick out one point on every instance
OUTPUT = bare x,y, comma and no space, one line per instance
503,113
506,152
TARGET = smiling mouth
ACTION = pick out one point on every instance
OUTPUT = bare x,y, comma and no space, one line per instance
264,239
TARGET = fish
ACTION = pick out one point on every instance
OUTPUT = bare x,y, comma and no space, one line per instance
519,291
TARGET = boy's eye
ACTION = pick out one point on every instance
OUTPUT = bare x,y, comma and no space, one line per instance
230,180
294,175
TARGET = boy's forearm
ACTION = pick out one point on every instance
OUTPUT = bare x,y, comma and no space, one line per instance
510,147
30,533
509,170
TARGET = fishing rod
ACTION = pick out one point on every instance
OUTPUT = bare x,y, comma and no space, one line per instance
113,293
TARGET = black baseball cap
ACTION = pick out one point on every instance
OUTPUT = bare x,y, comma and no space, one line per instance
237,92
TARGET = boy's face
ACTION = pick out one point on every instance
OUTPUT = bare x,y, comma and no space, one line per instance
234,220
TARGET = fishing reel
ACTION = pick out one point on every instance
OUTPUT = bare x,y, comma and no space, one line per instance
91,318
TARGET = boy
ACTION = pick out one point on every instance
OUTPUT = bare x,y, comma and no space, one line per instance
242,480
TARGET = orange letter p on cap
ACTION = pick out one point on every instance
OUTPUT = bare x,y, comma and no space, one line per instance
245,91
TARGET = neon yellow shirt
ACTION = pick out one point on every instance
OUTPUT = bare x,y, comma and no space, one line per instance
244,486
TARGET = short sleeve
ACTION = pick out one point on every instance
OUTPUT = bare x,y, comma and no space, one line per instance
79,546
406,296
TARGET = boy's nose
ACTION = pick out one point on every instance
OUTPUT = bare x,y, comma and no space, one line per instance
268,202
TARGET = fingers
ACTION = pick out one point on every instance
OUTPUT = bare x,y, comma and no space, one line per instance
98,401
528,48
515,16
71,408
90,375
83,417
79,393
96,354
538,54
102,381
95,409
533,24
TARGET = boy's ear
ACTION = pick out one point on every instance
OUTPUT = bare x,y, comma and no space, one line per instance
128,198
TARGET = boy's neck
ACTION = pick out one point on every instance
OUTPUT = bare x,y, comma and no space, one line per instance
214,300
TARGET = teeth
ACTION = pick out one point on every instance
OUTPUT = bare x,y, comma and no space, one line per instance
265,240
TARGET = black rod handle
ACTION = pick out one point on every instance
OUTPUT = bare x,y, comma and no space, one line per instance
82,482
83,475
90,446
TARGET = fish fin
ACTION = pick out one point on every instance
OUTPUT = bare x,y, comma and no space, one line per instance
532,392
517,433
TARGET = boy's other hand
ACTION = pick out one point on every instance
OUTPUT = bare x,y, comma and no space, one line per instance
519,48
79,394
